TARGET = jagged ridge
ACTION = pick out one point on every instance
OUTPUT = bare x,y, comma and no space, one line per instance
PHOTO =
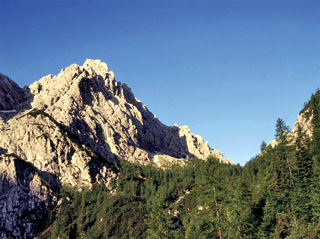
97,108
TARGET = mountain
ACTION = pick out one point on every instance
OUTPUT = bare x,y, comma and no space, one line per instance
275,195
70,130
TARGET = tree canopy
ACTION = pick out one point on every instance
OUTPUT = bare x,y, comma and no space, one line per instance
275,195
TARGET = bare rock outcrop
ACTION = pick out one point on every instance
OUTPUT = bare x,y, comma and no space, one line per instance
10,94
51,148
105,114
25,198
305,124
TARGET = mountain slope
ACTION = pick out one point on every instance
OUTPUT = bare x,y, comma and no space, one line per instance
70,130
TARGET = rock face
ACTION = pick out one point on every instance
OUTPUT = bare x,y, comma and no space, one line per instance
69,129
304,123
105,114
10,93
25,198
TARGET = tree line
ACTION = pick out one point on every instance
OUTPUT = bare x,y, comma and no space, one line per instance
275,195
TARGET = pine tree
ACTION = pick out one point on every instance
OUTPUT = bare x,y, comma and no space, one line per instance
304,160
281,127
269,219
263,146
160,223
202,227
315,114
303,179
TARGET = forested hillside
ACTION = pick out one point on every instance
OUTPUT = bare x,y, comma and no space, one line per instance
275,195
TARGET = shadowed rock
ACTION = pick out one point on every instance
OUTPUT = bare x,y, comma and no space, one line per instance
10,94
25,198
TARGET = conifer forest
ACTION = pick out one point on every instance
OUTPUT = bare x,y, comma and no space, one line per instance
275,195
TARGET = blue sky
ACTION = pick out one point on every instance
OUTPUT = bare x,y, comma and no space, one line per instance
227,69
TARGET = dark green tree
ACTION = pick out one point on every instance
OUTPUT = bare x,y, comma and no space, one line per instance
263,146
281,128
315,120
303,176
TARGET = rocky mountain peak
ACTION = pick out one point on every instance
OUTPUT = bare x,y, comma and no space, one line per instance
105,114
95,66
86,106
70,129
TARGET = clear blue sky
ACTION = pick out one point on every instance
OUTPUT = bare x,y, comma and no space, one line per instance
227,69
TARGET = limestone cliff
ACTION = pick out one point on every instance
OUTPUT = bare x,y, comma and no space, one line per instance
105,114
25,198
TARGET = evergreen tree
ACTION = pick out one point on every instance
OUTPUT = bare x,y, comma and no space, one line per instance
304,159
202,226
315,114
269,219
302,204
313,111
281,128
263,146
